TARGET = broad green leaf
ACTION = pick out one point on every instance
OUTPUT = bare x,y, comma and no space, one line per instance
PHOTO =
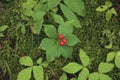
117,59
83,75
66,51
23,30
104,77
41,7
38,18
2,28
53,3
110,56
25,74
72,40
1,35
105,67
39,61
70,15
38,15
50,31
45,42
73,78
94,76
26,60
108,3
29,4
28,12
72,67
66,28
53,52
44,64
102,8
43,1
84,58
57,18
113,11
76,6
50,56
63,77
108,15
38,73
54,10
37,26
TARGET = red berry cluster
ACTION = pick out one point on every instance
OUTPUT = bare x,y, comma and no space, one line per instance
63,41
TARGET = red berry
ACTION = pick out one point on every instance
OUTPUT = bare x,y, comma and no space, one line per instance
60,36
62,43
65,41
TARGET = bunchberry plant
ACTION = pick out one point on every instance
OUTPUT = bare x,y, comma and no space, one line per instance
25,74
108,9
84,74
103,68
3,28
33,12
59,42
115,56
74,67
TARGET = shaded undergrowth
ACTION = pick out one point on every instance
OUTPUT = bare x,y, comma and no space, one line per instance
14,44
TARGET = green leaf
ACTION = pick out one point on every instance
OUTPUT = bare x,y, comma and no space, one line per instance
66,28
38,73
117,59
38,15
2,28
73,78
66,51
53,52
38,18
105,67
76,6
84,58
39,61
53,3
26,60
37,26
23,30
1,35
94,76
57,18
110,56
104,77
83,75
44,64
45,42
108,15
108,3
29,4
70,15
28,12
102,8
41,7
72,67
63,77
72,40
113,11
25,74
50,31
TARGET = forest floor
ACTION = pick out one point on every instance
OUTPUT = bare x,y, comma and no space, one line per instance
15,45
